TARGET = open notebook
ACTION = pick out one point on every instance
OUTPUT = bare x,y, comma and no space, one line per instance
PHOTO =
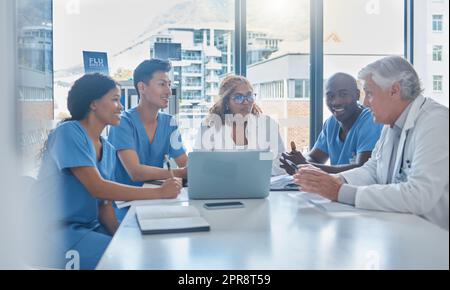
162,219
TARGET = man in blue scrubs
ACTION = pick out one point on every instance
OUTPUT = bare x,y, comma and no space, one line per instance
145,134
348,136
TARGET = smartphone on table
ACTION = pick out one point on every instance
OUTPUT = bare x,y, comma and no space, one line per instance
223,205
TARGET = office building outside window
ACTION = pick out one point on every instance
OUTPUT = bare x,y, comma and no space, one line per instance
34,33
431,49
437,23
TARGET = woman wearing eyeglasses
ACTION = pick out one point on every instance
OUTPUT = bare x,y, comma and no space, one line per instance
236,122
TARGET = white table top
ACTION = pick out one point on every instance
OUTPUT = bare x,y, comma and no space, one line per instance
284,231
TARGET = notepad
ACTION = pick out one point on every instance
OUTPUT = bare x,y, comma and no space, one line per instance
165,219
283,183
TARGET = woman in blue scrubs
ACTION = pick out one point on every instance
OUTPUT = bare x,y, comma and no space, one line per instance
75,191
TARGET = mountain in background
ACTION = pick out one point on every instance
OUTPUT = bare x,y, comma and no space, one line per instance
291,24
193,12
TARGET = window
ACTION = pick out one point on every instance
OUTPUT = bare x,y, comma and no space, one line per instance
278,44
201,49
34,34
271,90
437,83
349,47
298,89
437,53
35,54
437,23
278,63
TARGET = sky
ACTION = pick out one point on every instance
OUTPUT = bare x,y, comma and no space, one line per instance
99,25
113,25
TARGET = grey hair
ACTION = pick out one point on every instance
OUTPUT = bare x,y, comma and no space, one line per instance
389,70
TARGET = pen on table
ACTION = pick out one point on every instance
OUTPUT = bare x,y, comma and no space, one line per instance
168,167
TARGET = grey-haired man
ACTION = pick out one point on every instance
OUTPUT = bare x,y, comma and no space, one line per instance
409,168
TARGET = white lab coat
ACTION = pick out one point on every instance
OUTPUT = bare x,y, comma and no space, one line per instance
262,132
422,188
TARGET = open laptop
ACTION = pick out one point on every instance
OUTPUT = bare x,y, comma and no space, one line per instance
229,174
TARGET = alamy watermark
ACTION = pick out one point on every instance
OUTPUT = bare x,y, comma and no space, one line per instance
250,132
73,258
372,260
73,7
373,7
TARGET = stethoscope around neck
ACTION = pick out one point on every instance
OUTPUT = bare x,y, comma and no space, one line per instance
408,162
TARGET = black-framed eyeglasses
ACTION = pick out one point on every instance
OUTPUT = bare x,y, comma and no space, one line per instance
239,99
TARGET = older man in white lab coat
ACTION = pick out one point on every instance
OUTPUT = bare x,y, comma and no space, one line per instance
409,168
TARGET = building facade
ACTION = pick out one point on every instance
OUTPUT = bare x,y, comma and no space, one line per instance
431,47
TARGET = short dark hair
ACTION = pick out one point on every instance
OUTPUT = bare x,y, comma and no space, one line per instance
145,71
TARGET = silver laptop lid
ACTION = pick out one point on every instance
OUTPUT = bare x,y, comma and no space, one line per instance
229,174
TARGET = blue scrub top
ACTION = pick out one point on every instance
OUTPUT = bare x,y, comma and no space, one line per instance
362,137
130,134
69,213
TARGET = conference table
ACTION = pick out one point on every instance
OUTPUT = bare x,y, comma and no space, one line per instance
288,230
